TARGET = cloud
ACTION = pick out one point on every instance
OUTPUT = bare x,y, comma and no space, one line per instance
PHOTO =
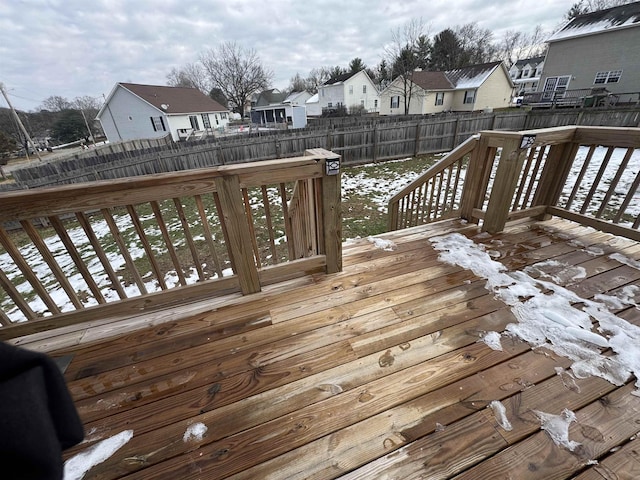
73,48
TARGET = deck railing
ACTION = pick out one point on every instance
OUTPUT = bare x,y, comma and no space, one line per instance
436,194
123,247
586,174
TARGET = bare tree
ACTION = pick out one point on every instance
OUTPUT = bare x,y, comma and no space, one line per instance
191,75
317,77
237,72
55,103
476,44
517,45
401,55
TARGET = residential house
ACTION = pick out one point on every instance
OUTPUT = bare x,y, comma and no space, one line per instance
313,106
287,110
134,111
477,87
267,97
354,91
598,51
525,74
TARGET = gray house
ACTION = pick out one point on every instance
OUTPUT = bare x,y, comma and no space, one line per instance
598,52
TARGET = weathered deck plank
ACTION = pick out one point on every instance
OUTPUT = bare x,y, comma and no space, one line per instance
373,372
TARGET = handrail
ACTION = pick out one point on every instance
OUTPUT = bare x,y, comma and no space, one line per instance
117,247
532,173
414,195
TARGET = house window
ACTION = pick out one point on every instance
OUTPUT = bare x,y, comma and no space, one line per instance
330,104
395,101
206,123
158,124
362,103
469,96
375,103
439,98
194,122
612,76
350,89
526,73
555,87
364,89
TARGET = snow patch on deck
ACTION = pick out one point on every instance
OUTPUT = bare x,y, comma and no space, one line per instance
551,316
77,466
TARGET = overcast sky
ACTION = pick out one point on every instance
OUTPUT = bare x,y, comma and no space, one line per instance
83,47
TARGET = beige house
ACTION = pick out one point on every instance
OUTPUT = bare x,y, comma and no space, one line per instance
477,87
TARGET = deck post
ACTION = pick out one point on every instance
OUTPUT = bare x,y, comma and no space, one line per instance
332,214
554,175
473,190
504,186
231,201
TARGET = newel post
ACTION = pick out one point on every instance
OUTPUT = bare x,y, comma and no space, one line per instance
505,183
332,214
239,236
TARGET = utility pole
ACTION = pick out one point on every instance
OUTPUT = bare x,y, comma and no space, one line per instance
88,128
24,130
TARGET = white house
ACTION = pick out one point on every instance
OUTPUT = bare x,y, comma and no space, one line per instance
291,111
526,74
352,90
134,111
477,87
313,106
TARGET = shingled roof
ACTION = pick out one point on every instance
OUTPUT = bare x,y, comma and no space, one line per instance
175,100
601,21
432,80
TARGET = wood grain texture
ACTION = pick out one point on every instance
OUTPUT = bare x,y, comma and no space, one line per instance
375,371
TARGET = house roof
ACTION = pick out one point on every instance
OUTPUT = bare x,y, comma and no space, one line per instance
472,76
174,100
432,80
339,78
601,21
269,97
533,61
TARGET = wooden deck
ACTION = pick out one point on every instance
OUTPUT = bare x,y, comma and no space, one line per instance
375,372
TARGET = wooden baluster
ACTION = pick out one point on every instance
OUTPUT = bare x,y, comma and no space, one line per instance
28,274
147,246
97,248
614,181
208,235
50,260
58,226
17,297
267,213
157,213
189,238
124,251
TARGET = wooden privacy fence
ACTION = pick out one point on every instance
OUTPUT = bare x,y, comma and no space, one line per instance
586,174
357,140
121,247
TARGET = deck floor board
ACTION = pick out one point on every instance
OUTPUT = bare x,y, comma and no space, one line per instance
377,371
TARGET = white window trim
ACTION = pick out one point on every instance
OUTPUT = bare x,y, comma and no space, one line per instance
610,76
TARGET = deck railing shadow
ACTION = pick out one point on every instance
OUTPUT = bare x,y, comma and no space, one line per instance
589,175
199,234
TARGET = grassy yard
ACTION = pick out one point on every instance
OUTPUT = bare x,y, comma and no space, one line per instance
366,190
